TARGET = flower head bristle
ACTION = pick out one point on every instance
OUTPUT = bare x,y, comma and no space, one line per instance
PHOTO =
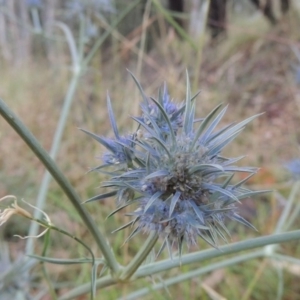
172,170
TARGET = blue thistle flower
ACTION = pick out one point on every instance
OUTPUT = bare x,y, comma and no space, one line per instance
174,174
293,167
153,115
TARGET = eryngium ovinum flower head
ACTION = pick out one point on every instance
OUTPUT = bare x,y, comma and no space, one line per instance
172,172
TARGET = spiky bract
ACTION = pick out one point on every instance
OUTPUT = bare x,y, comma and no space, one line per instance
172,170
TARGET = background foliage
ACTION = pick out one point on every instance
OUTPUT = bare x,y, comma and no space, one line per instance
254,68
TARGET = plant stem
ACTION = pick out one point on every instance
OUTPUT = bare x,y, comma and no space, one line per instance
85,288
195,273
153,268
53,153
164,265
135,263
286,258
296,210
281,224
48,162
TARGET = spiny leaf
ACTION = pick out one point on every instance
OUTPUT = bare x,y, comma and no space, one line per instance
174,200
123,226
166,118
101,196
158,173
62,261
99,139
148,128
188,106
203,125
240,219
111,117
139,87
132,234
152,200
216,188
202,167
213,125
122,207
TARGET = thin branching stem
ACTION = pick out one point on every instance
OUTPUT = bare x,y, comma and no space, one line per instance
43,190
289,214
164,265
139,258
68,189
153,268
195,273
83,289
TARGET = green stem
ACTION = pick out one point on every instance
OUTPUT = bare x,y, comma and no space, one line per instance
281,224
194,274
164,265
48,162
295,213
53,153
44,269
286,258
50,226
280,285
139,258
83,289
153,268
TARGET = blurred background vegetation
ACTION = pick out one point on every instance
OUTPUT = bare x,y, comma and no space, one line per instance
246,57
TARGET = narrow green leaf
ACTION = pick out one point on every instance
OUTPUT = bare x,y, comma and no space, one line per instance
122,207
232,160
162,247
213,125
161,143
240,183
132,234
204,124
240,169
153,124
145,99
93,280
216,149
227,181
152,200
216,188
60,261
159,173
252,193
219,231
101,196
197,211
207,239
240,219
149,129
174,200
148,164
202,167
123,226
165,116
99,139
219,133
112,117
188,106
240,126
